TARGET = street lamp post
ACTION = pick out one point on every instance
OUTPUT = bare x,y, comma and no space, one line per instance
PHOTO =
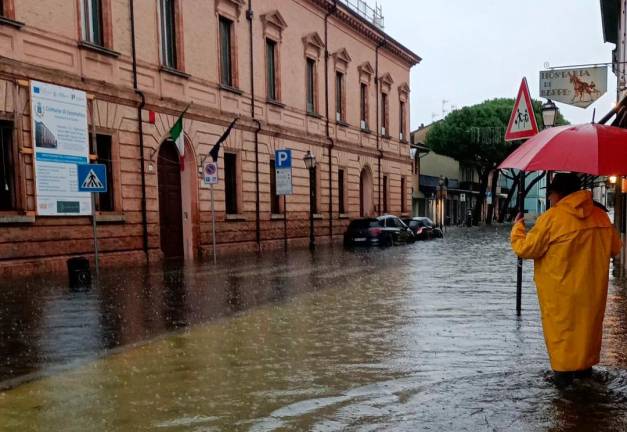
549,116
549,113
310,163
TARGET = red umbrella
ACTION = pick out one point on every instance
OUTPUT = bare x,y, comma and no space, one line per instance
587,148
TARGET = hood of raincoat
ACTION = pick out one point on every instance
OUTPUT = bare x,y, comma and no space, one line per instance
579,204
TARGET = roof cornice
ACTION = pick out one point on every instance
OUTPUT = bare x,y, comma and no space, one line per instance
369,30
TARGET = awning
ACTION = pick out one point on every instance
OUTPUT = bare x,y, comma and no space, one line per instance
420,148
433,182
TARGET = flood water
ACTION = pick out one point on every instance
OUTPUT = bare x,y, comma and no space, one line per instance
411,338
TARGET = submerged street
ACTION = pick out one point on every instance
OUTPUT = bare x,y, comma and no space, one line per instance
418,337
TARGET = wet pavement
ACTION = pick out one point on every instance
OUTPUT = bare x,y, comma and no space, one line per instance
422,337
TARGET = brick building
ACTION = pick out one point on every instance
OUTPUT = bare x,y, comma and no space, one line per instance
142,62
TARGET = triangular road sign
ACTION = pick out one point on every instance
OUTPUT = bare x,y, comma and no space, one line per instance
522,122
92,181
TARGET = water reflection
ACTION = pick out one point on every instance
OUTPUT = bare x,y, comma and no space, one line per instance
410,338
233,294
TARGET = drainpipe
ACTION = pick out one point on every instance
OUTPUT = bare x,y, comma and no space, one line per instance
257,215
141,132
326,102
249,17
377,91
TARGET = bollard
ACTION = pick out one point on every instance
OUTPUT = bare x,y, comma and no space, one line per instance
79,273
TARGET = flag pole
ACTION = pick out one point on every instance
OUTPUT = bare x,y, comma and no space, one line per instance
213,227
186,108
214,153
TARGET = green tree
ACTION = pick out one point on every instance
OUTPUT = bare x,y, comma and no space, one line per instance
475,136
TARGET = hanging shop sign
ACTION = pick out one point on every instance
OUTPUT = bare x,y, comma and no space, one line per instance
579,87
61,141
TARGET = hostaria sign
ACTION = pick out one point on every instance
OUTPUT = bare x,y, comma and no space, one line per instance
579,87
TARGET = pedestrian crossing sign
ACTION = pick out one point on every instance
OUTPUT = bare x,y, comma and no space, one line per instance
522,122
92,177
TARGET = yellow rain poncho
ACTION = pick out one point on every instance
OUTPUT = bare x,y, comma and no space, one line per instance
571,245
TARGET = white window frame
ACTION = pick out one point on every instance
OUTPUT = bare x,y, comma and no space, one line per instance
165,38
87,20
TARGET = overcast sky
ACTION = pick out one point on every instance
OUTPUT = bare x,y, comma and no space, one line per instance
481,49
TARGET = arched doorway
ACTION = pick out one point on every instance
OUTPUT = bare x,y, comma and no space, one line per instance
365,192
170,204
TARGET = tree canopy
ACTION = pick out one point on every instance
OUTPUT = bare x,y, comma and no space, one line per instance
475,135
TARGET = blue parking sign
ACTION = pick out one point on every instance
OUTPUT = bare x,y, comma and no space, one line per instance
92,177
283,159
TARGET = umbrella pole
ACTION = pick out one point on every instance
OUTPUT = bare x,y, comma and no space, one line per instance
521,209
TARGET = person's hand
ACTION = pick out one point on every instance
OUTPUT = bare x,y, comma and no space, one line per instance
519,217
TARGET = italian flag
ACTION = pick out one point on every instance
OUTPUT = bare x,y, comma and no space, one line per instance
177,135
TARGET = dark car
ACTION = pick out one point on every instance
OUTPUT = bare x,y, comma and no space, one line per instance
384,231
424,228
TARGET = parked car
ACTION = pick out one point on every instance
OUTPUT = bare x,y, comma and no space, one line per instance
383,230
424,228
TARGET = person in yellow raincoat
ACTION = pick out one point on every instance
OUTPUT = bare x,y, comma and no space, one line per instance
571,245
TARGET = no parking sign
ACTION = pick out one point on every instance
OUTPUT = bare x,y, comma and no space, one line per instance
210,173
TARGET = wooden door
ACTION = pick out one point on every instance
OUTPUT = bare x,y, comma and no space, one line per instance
170,206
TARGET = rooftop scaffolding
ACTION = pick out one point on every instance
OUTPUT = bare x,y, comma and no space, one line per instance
371,14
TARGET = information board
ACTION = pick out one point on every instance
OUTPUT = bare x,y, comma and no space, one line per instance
283,163
61,141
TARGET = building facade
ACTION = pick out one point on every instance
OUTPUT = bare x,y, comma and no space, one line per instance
438,197
306,75
614,20
446,189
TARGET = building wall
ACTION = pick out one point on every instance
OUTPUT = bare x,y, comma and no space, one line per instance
437,165
535,201
620,70
48,48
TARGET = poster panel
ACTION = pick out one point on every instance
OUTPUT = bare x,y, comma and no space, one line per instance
60,137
